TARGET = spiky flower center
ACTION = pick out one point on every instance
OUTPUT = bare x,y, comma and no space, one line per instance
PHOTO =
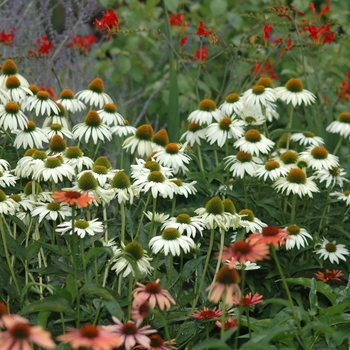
267,82
29,152
241,247
244,157
20,331
252,136
319,152
161,138
346,193
87,182
54,162
289,157
297,176
193,127
103,161
39,155
67,94
207,105
215,206
34,89
334,171
183,219
152,165
293,230
17,198
153,288
156,341
57,143
144,132
258,89
62,110
135,249
156,176
227,276
225,123
82,224
12,82
56,127
171,234
229,207
12,107
249,215
30,126
53,206
120,180
89,331
172,148
308,134
110,108
271,165
97,86
178,182
129,328
294,85
100,169
73,152
9,68
331,247
30,186
43,95
232,98
93,119
2,196
344,117
250,119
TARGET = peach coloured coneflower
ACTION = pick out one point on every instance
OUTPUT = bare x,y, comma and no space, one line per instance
154,294
130,333
225,286
140,311
245,250
158,343
230,323
270,235
329,275
207,314
20,334
3,311
81,199
248,300
91,336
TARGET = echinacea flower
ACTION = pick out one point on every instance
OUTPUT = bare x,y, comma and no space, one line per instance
250,222
81,199
225,286
154,294
9,68
248,300
31,136
245,266
259,97
17,92
123,189
171,241
254,142
70,103
141,141
340,126
130,333
207,314
51,211
81,227
11,117
94,95
7,179
205,113
110,116
41,104
158,343
233,105
184,223
294,92
332,177
231,322
184,188
288,159
194,135
91,336
272,170
252,116
20,334
298,237
329,275
74,157
307,138
318,158
242,164
332,251
7,204
57,129
123,130
270,235
343,196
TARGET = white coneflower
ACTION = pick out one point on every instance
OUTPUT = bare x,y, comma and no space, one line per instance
332,251
9,68
51,211
41,104
92,128
185,188
254,142
74,157
296,182
141,141
58,118
340,126
343,196
227,128
288,159
123,129
232,105
31,136
81,227
252,116
272,169
27,164
57,129
171,241
307,138
143,167
70,103
250,222
184,223
122,188
259,97
173,156
332,177
242,163
4,165
94,95
205,113
194,134
7,204
160,140
110,116
11,117
318,157
17,92
298,237
7,179
294,92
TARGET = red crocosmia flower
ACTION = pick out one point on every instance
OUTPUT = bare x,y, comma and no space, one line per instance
50,91
202,30
263,69
313,9
248,300
277,41
288,47
82,42
329,38
267,30
109,20
270,235
7,38
176,20
207,314
230,323
344,92
81,199
329,275
183,42
325,9
201,55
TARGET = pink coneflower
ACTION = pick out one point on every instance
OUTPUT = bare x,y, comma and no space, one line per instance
270,235
20,334
90,336
245,250
248,300
225,286
3,311
207,314
130,334
140,311
154,294
329,275
230,323
158,343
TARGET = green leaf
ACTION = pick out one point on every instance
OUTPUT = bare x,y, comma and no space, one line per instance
313,296
211,344
218,7
124,64
96,290
173,105
190,267
172,5
49,304
94,251
113,307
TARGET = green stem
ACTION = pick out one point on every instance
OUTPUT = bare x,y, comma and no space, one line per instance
245,193
294,202
150,235
338,145
222,240
142,215
131,284
248,322
170,270
240,308
290,123
122,230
